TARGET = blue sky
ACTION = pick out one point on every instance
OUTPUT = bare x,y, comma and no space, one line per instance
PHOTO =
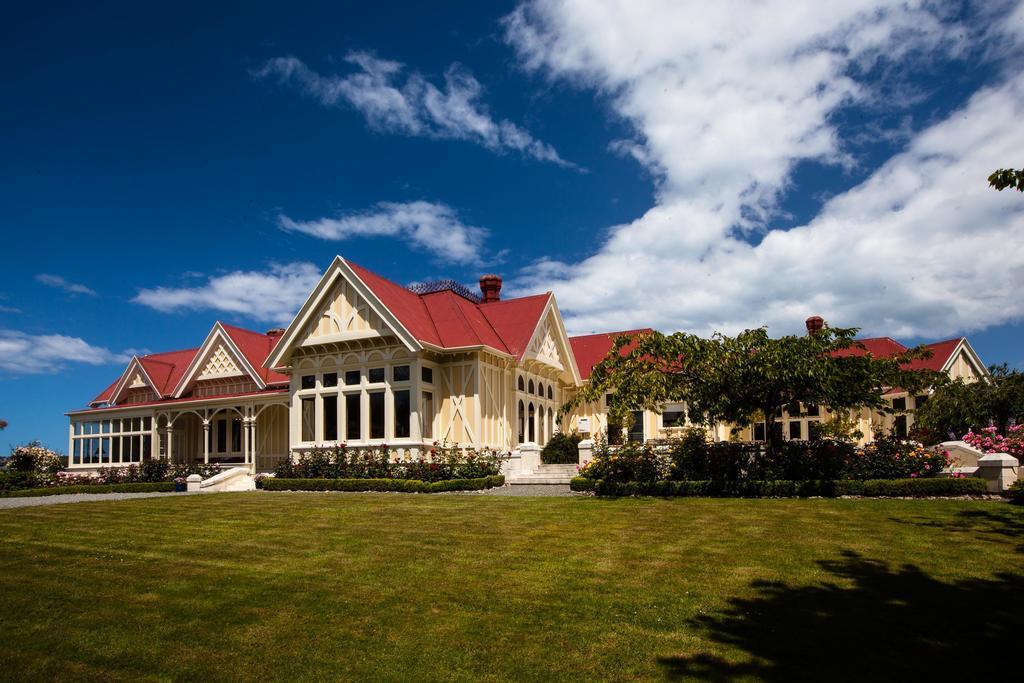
671,165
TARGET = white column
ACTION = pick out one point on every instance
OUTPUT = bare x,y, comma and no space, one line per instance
254,442
169,435
586,448
206,441
245,439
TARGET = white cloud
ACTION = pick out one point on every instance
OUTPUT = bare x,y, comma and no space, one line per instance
432,226
22,353
58,282
414,107
725,99
273,295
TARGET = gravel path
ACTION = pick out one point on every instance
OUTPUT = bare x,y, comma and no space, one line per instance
529,490
34,501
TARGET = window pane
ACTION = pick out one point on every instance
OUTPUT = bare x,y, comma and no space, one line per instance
309,381
522,384
530,386
673,418
427,415
147,447
330,379
106,426
136,424
352,417
236,435
307,416
145,424
794,429
900,427
222,436
531,431
551,396
78,428
920,400
813,410
427,375
402,414
377,414
105,451
133,448
330,418
636,432
759,431
400,373
375,375
115,449
352,377
899,404
522,418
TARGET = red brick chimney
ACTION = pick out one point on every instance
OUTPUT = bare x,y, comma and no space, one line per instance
490,288
814,324
275,332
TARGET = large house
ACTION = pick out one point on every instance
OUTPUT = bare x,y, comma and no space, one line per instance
368,362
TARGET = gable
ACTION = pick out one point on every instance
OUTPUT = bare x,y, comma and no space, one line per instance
342,307
549,344
135,383
220,363
218,358
343,314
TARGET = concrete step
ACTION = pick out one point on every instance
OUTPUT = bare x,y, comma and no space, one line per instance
537,479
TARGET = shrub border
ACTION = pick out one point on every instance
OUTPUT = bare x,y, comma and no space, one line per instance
389,485
137,487
871,488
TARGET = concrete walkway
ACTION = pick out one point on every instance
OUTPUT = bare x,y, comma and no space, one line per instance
544,490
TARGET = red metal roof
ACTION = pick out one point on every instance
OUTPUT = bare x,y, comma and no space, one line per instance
885,347
446,319
184,399
166,369
591,349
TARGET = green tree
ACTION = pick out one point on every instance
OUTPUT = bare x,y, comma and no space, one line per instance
1007,178
957,406
739,379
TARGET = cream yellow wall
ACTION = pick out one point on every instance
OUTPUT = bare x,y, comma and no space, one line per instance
345,312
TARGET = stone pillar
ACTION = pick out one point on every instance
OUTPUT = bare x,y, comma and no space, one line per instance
530,457
586,451
999,471
194,482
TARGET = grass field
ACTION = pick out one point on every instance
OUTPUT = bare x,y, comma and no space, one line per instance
414,587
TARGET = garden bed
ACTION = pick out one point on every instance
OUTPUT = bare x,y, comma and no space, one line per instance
873,488
389,485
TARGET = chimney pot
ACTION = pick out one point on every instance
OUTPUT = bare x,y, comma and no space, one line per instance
490,288
275,332
814,324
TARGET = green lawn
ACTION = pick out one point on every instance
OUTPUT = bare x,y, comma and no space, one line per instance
417,587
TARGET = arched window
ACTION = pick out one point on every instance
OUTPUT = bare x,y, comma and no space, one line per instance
540,389
551,395
522,385
531,386
522,419
533,424
551,422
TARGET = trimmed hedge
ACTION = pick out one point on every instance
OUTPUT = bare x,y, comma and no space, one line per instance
790,489
582,484
138,487
392,485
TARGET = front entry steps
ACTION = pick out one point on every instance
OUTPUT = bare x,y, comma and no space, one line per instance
545,474
233,479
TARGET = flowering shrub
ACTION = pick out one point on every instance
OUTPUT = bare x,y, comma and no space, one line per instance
442,462
989,440
692,458
888,457
34,457
562,448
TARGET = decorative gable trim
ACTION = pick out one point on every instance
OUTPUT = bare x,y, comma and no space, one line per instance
134,377
318,298
214,359
972,357
550,342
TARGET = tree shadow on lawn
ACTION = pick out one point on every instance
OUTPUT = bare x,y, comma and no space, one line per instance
1003,524
890,624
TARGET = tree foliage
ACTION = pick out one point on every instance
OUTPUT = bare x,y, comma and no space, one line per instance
956,406
1007,178
748,377
3,425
